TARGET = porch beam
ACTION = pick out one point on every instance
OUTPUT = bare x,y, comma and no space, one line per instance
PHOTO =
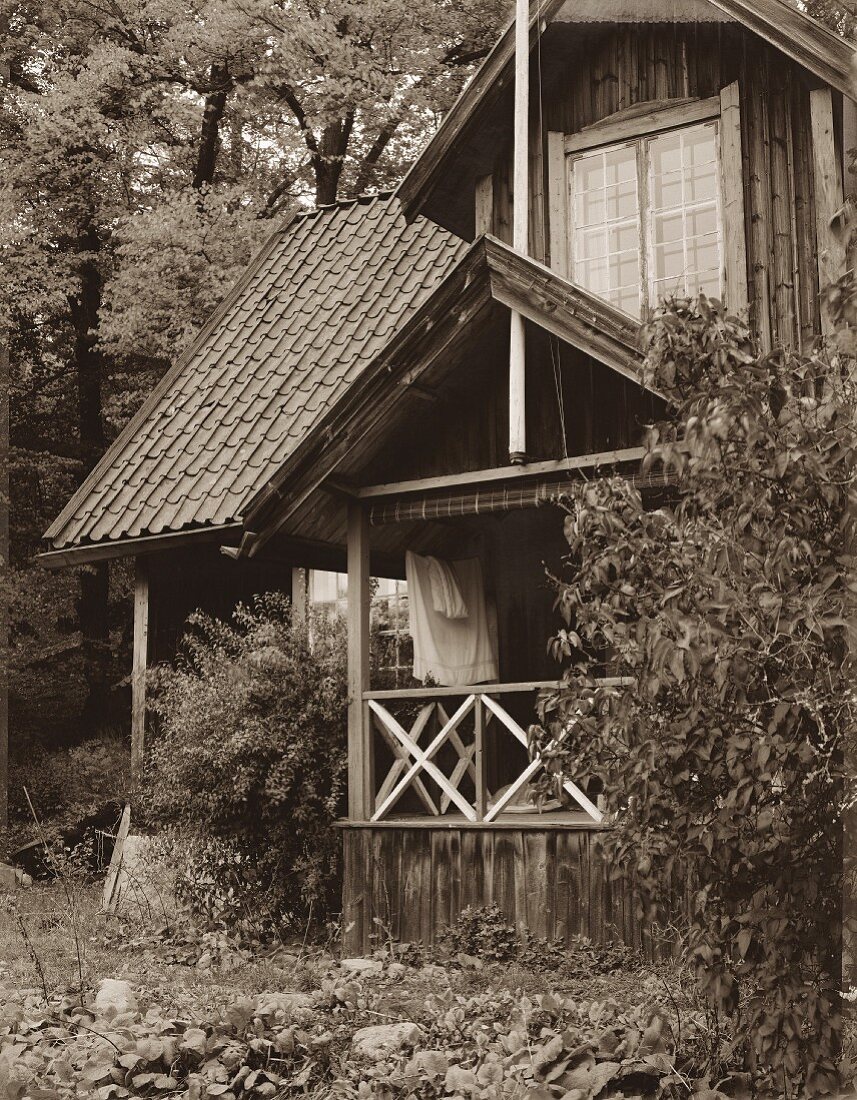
359,734
140,660
502,473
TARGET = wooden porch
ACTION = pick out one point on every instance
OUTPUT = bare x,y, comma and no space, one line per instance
441,814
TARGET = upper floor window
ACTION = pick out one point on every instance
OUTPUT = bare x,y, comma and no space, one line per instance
646,217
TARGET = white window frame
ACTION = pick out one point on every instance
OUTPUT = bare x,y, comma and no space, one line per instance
639,124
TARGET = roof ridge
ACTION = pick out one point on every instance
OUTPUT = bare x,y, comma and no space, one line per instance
340,204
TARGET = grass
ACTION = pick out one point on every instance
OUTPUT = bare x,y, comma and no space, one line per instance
113,948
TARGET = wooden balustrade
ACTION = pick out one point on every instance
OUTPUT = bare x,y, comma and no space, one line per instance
415,767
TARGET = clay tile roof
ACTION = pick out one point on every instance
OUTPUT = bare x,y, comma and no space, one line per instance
318,302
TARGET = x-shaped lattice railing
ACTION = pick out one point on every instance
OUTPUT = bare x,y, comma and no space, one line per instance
410,759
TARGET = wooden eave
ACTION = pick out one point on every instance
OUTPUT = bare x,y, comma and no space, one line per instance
490,272
85,553
805,40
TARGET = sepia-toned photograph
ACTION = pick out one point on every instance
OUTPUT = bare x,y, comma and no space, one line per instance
428,549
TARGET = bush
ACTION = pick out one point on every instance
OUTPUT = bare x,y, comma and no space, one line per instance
66,785
728,610
250,753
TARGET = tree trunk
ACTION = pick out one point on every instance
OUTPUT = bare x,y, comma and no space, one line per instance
328,163
93,609
209,134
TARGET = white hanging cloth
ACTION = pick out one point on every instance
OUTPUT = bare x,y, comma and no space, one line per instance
445,593
452,650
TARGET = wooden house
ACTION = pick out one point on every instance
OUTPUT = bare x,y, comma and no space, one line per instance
351,406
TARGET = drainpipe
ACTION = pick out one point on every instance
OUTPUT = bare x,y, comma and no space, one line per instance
520,218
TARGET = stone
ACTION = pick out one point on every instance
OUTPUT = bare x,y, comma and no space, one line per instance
362,966
381,1040
13,878
396,970
116,995
269,1004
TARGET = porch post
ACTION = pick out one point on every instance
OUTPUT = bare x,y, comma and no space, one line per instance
140,658
359,743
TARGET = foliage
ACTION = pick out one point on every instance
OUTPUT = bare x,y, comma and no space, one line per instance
66,785
251,751
145,148
483,932
496,1045
728,607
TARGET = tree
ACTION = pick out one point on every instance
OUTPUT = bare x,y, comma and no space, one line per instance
729,606
144,149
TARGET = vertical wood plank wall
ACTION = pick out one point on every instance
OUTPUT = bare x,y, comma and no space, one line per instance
625,65
551,881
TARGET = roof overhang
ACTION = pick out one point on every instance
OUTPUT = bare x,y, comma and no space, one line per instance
146,544
490,272
808,42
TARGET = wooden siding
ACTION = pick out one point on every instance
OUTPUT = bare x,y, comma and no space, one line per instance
634,64
465,425
411,882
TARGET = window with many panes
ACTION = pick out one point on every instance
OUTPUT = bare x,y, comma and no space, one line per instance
392,646
645,217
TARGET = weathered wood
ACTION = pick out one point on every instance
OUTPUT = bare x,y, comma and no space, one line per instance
360,778
557,212
550,882
139,662
503,473
300,594
828,192
474,689
479,759
732,186
485,205
422,759
637,121
783,290
146,544
760,200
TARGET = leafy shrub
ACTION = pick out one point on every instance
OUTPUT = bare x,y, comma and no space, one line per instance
483,932
251,753
728,611
67,784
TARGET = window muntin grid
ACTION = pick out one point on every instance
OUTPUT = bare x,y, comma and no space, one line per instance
650,206
328,592
606,216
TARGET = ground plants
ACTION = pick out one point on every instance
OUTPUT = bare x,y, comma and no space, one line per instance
250,762
726,601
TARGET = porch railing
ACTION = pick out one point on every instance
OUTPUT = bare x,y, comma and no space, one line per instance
416,766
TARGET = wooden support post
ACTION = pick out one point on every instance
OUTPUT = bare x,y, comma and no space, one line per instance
520,230
558,228
360,771
300,594
732,188
479,760
484,214
828,193
849,145
140,659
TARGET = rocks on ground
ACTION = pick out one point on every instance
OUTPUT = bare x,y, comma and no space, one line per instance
381,1040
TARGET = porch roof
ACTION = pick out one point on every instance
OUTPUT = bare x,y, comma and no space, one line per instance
491,272
314,308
